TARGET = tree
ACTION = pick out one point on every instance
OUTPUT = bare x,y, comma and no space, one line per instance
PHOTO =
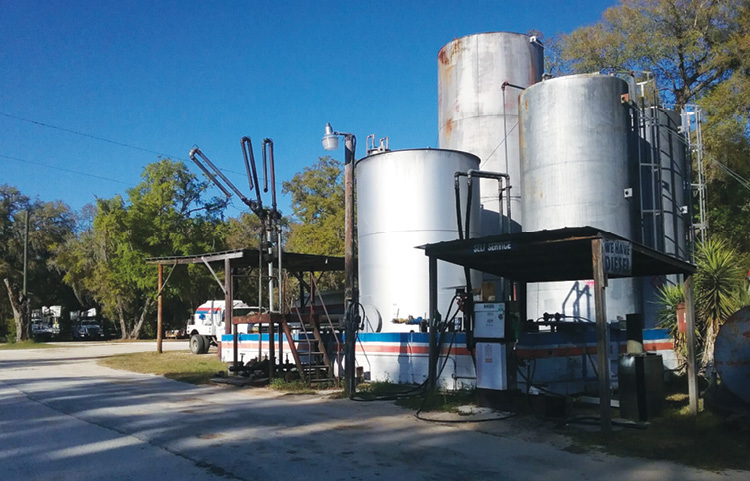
318,209
164,215
317,225
718,286
684,43
49,224
698,52
720,290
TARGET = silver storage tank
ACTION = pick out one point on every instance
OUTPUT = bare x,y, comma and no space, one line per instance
665,183
406,199
472,116
665,195
578,162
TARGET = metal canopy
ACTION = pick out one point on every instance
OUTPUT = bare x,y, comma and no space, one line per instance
559,255
549,255
293,262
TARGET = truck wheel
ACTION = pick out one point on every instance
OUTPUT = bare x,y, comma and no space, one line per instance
197,344
206,344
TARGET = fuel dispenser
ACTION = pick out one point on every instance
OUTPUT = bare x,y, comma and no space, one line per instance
494,336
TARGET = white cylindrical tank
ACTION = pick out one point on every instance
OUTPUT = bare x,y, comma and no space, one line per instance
473,115
579,164
406,199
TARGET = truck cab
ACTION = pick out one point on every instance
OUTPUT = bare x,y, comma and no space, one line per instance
206,325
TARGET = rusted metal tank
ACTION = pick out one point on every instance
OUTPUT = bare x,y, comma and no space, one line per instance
478,86
732,353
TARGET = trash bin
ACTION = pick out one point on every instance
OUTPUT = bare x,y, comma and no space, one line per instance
641,383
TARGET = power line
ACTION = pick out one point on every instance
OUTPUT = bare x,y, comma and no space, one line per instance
49,126
103,139
745,183
65,170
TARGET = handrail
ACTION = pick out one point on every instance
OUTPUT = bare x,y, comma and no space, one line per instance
330,324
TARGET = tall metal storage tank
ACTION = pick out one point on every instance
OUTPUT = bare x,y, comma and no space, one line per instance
405,199
665,197
665,183
472,115
577,157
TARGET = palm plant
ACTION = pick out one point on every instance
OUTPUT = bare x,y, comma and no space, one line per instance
670,297
719,281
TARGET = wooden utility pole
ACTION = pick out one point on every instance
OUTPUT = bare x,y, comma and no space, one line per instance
159,314
602,332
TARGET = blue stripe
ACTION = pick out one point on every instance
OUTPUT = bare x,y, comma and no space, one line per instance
655,334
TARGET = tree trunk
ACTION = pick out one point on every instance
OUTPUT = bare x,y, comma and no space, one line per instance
712,330
123,324
137,328
19,313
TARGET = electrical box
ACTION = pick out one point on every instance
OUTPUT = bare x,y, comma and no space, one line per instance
489,320
491,366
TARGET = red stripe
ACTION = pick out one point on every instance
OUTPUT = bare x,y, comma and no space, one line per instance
659,346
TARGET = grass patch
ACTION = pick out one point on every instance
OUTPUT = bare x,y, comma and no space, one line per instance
706,441
181,366
291,387
9,346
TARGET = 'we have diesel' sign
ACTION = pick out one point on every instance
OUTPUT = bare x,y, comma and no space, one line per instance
618,257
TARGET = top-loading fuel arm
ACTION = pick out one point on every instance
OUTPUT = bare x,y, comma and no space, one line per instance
270,217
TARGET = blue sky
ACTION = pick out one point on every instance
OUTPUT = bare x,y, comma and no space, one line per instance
165,75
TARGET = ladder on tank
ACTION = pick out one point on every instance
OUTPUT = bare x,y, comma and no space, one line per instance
659,185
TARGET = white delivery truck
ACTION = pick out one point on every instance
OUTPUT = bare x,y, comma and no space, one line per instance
207,324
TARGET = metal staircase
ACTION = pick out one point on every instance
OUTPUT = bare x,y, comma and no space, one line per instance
317,336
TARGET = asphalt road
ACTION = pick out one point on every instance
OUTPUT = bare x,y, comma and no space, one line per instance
64,417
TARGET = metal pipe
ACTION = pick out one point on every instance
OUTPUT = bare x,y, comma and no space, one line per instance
500,177
278,256
457,195
265,167
269,142
197,151
434,321
193,152
505,133
247,152
469,194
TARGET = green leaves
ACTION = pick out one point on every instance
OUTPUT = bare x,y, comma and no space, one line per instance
685,44
718,282
164,215
318,206
720,290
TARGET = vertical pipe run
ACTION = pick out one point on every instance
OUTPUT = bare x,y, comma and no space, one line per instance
269,261
227,302
602,332
434,320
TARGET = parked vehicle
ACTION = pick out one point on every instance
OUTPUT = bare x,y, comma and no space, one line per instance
86,326
45,322
207,324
